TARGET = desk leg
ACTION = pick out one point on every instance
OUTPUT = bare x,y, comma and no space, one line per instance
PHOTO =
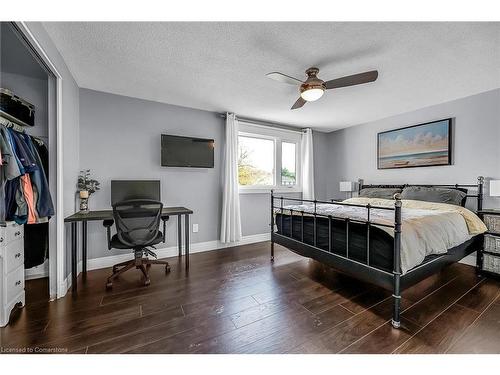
74,258
186,233
84,248
179,233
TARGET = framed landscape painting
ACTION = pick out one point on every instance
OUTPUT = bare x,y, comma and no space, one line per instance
422,145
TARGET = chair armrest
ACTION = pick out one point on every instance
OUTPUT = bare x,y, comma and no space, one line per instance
165,218
108,224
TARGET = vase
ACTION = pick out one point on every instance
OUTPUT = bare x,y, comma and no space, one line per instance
84,201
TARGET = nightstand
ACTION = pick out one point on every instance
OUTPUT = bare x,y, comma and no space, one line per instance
489,257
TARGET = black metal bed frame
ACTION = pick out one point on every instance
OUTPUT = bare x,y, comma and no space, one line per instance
395,280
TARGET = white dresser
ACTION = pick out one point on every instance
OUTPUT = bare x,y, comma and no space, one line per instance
11,269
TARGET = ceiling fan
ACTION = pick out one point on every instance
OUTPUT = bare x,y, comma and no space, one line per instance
313,88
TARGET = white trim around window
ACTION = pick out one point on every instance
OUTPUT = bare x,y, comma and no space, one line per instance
278,136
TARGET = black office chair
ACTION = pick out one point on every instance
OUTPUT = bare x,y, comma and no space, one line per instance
137,227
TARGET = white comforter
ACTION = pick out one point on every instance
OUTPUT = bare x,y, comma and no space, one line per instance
427,228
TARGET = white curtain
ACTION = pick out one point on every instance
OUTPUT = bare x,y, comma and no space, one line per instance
231,220
307,165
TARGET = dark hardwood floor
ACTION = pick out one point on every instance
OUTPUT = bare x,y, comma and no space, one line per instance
235,301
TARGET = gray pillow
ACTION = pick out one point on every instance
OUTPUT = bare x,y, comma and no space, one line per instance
385,193
433,194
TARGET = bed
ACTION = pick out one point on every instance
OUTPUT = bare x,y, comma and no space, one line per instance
392,243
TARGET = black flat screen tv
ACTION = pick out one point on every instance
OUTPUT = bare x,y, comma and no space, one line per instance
179,151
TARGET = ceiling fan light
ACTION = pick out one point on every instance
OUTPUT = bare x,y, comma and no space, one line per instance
312,94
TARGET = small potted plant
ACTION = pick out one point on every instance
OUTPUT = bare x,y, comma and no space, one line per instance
86,186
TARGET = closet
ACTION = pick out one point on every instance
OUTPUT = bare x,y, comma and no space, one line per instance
26,204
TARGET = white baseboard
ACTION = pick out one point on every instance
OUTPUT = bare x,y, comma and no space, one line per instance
469,260
37,272
165,252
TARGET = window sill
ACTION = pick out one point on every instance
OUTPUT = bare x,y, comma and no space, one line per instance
268,190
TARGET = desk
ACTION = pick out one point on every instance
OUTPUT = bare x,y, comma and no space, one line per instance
108,214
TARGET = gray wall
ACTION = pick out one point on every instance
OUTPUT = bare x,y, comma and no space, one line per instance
476,151
15,57
120,139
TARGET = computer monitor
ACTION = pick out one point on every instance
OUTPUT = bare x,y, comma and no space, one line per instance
122,190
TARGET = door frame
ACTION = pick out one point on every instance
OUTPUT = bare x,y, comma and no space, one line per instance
57,281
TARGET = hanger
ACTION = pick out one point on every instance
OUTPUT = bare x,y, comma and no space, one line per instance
10,124
20,129
37,140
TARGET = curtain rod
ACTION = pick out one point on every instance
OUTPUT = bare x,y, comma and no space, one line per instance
266,124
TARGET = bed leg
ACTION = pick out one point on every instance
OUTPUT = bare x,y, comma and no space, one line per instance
396,320
272,251
396,293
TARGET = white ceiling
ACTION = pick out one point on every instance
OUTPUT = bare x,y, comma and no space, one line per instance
222,66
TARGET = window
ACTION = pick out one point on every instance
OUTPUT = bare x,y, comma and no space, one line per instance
255,161
288,164
268,159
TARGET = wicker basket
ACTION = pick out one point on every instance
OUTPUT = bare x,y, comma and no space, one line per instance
492,223
491,244
491,263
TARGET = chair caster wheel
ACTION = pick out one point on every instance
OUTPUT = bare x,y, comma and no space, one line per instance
147,282
167,269
109,285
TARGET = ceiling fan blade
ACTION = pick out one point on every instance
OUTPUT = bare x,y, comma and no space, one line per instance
299,103
280,77
355,79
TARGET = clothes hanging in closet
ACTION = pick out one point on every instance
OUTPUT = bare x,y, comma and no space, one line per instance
23,180
24,191
36,236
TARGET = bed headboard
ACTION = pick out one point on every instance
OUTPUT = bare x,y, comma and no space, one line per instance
462,187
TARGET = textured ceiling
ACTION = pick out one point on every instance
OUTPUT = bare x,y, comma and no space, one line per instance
222,66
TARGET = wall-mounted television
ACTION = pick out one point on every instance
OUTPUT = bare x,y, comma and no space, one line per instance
177,151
